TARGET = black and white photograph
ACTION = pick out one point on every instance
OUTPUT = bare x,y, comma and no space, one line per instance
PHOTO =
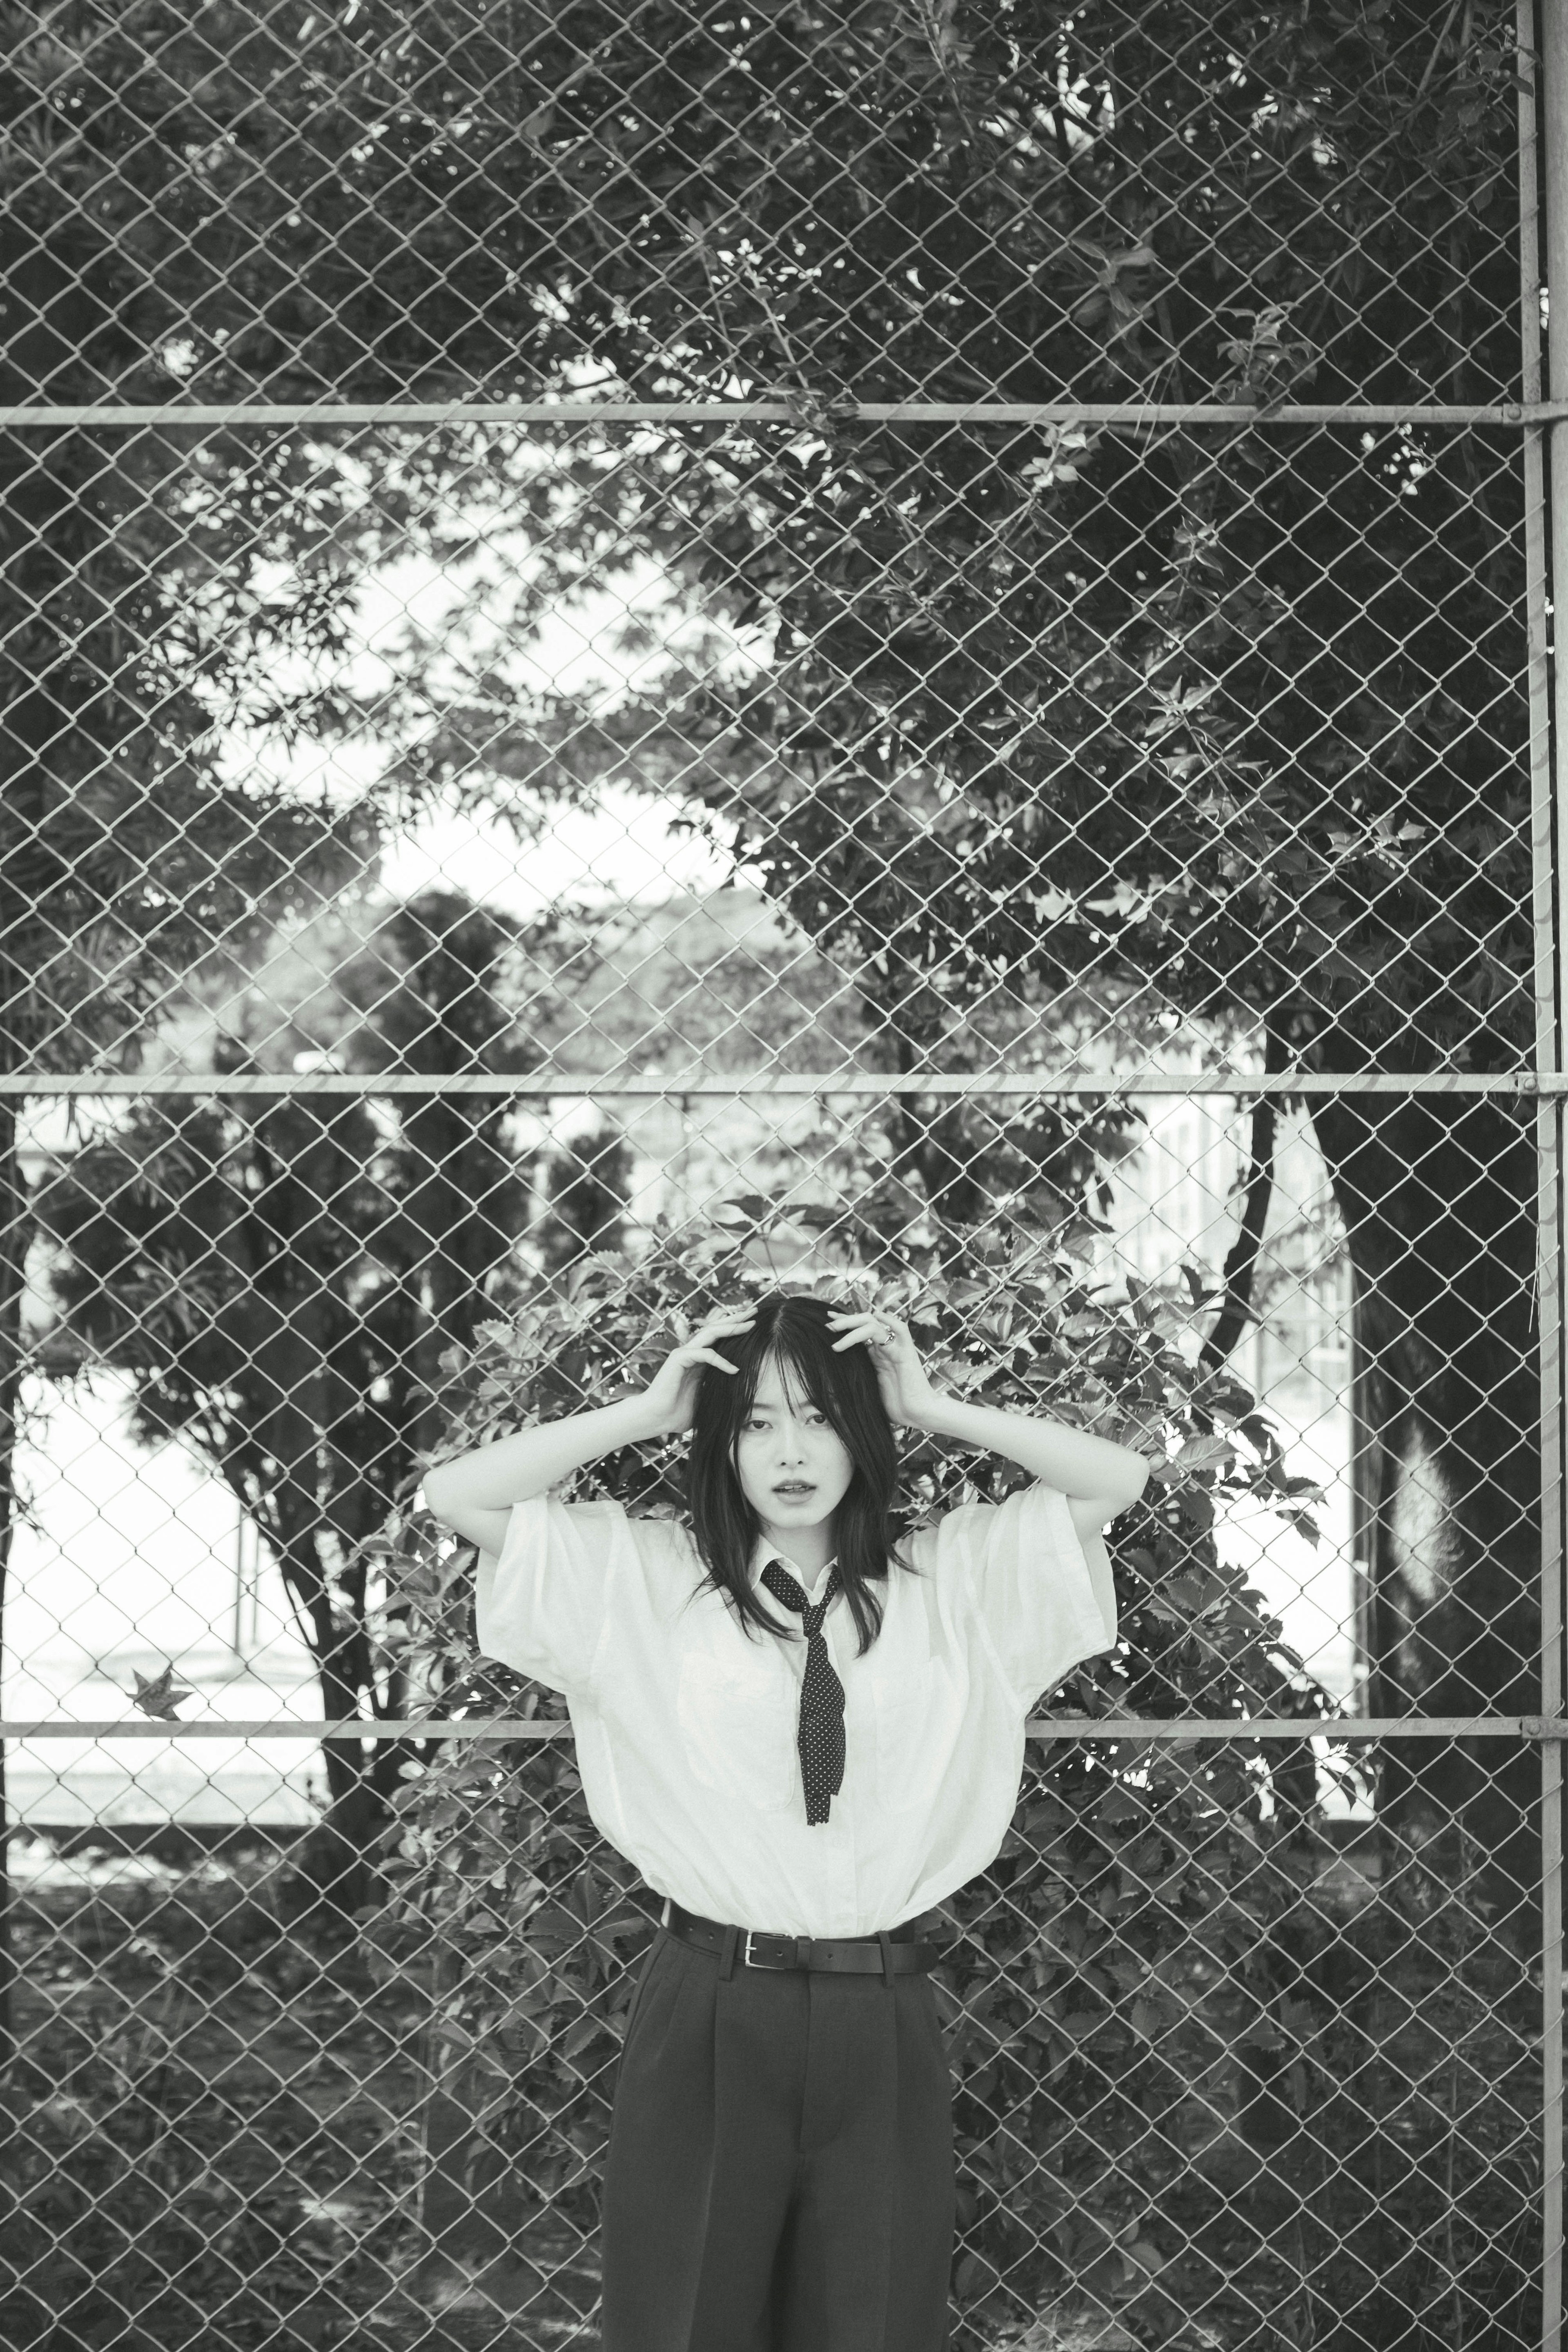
783,1035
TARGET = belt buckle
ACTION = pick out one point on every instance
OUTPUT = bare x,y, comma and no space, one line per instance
750,1963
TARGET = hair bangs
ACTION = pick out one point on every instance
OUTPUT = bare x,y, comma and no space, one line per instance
804,1374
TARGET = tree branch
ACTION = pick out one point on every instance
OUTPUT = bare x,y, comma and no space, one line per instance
1241,1262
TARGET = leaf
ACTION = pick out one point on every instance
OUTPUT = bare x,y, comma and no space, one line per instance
160,1696
624,1922
1205,1454
1193,1280
751,1209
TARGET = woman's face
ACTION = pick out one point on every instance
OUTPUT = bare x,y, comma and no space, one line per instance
794,1469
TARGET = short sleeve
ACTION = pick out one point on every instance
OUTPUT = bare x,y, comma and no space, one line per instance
1022,1565
541,1605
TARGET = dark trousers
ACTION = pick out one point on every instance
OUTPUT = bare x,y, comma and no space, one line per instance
780,2174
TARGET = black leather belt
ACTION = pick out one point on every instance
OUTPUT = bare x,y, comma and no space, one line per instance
896,1952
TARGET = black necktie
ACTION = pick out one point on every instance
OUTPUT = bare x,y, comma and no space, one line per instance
820,1739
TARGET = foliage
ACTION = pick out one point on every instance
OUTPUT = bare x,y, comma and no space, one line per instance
131,618
1232,716
241,1259
1232,719
1120,1945
279,1273
203,2121
129,852
1402,2146
1229,721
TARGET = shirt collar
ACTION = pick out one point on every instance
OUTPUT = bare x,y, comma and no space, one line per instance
761,1555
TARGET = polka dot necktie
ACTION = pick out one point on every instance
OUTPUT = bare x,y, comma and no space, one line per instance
820,1739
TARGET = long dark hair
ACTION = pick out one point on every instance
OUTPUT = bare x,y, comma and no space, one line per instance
794,1331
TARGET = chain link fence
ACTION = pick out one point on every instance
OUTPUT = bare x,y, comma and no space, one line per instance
902,647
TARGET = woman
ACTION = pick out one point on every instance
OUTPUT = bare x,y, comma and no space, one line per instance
800,1787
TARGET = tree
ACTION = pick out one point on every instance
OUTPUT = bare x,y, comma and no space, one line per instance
1242,722
1230,720
589,1188
123,850
1233,720
431,990
130,615
281,1274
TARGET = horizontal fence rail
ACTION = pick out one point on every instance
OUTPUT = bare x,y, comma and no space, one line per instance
1093,1726
869,1084
38,416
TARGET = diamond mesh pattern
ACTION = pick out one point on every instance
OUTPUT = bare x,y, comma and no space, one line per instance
650,651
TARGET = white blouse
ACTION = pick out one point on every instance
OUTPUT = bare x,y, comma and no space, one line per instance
686,1725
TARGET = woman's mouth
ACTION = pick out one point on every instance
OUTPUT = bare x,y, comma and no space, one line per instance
794,1489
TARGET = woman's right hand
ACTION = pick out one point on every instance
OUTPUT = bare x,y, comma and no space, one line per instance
670,1396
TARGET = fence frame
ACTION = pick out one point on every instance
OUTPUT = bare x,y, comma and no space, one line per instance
1540,418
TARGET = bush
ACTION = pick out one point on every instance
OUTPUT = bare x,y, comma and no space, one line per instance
1135,2037
202,2135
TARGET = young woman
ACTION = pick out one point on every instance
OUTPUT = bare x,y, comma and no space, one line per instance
801,1783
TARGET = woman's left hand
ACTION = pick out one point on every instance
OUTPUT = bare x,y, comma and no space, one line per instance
906,1392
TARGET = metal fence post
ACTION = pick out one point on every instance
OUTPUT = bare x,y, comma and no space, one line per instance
1545,191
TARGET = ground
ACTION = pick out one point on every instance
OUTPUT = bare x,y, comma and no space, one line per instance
213,2131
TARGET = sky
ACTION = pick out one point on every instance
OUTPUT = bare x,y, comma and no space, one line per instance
466,615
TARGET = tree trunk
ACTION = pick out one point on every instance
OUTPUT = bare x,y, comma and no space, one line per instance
1257,1192
332,1856
1438,1194
463,1214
